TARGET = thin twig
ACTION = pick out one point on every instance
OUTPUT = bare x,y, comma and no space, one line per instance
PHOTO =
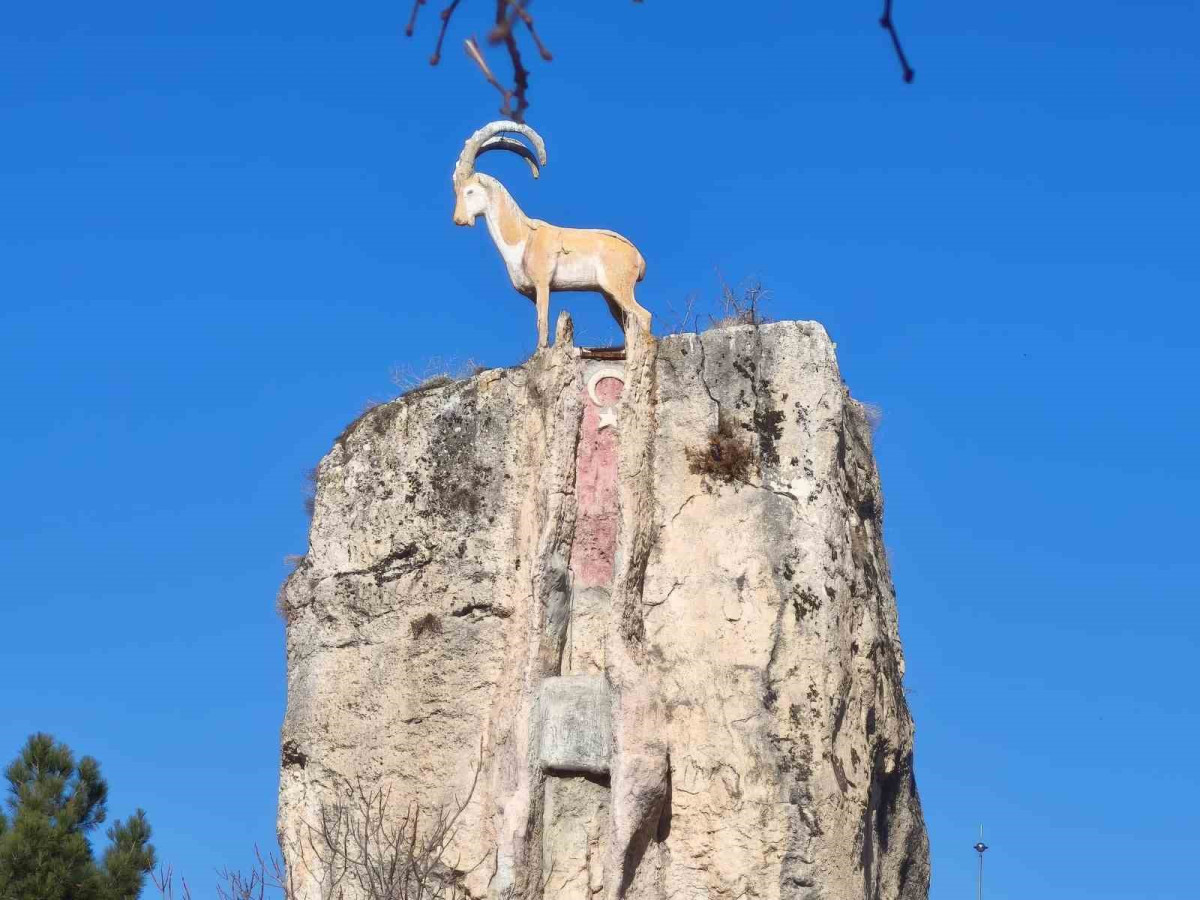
504,34
412,19
520,82
503,30
476,54
886,23
362,840
445,16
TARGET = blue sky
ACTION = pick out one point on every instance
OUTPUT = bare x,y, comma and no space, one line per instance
222,227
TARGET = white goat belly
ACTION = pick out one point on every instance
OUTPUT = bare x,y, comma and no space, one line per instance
574,270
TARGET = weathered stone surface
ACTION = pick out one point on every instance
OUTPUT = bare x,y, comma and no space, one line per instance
576,842
761,743
576,730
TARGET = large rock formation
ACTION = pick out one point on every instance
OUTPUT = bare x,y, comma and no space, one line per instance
651,643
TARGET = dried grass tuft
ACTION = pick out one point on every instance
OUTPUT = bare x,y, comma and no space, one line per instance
726,456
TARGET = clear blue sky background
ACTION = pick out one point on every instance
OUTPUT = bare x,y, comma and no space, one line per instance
221,225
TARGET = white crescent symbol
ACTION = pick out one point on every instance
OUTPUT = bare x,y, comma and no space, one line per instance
608,414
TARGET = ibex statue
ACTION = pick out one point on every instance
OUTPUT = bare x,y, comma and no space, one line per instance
541,257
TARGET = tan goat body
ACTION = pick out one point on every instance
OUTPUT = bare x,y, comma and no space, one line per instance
541,257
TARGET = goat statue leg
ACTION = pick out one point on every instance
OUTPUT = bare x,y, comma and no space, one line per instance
616,311
543,314
639,312
627,311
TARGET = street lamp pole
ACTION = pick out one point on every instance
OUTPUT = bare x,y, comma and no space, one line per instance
980,848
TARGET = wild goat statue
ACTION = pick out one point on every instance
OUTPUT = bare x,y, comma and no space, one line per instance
541,257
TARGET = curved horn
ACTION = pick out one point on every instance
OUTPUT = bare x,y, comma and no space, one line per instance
475,145
513,145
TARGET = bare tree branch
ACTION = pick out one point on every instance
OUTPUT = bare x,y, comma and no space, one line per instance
378,849
519,11
412,19
476,54
445,17
520,82
886,22
164,882
515,96
502,33
382,851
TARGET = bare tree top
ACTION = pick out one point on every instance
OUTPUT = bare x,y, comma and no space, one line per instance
511,22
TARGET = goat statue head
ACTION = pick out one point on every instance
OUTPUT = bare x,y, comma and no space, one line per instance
470,193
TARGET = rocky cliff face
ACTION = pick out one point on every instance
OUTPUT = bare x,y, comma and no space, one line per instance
637,614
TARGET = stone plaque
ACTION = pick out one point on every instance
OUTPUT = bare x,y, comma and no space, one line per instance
576,724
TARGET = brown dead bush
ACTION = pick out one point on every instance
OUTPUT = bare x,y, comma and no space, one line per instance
725,456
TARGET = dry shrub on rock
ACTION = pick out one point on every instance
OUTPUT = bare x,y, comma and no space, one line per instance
725,456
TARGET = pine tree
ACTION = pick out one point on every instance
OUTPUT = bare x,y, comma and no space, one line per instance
53,804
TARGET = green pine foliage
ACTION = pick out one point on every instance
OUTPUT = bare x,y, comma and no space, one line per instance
53,805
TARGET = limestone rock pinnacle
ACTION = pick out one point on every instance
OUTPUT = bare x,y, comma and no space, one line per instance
634,618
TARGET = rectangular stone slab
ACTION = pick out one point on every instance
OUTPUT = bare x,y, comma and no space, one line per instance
576,724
